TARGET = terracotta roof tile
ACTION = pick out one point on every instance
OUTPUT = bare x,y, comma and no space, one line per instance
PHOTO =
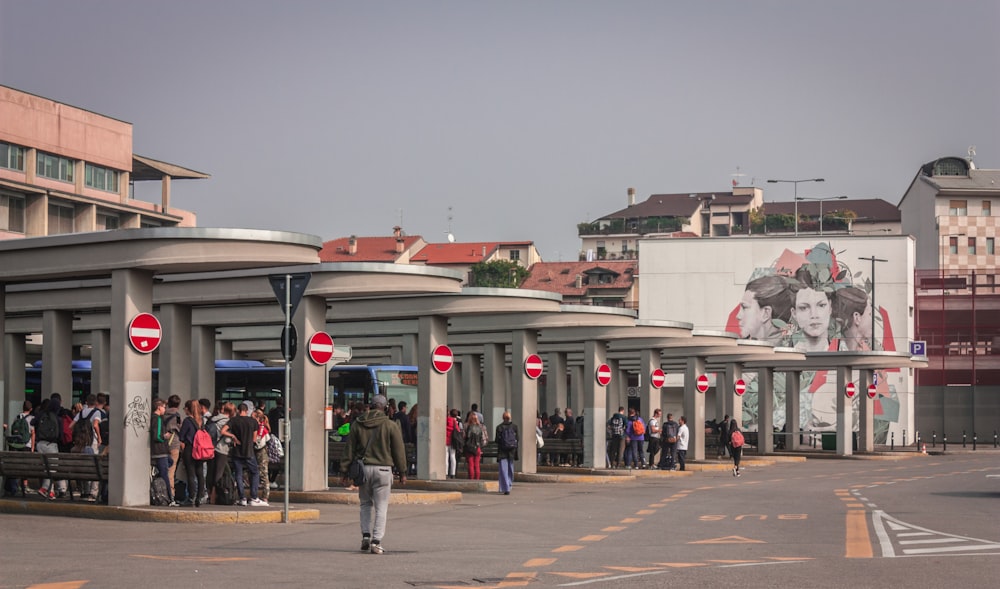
455,253
560,277
369,249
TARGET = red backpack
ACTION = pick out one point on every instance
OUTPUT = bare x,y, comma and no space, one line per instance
66,429
203,448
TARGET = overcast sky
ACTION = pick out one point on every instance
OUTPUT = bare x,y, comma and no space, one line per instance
517,119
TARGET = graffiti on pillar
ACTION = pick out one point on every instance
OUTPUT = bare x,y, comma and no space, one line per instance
137,416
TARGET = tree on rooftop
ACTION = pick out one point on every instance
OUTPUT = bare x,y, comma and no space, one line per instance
498,274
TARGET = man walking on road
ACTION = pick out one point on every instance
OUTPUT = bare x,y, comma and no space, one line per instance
379,442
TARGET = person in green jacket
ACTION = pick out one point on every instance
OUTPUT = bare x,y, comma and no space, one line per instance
379,442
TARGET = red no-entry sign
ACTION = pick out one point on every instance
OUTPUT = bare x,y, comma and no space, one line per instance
850,390
872,391
603,375
533,366
144,333
442,359
702,384
320,348
657,378
739,387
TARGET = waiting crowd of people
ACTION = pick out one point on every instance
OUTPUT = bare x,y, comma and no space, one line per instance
237,454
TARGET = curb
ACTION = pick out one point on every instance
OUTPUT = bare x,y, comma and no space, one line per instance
152,514
346,497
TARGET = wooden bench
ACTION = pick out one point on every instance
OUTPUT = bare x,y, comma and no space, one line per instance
335,450
555,450
57,467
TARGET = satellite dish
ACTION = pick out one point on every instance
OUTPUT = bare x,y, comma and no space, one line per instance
451,238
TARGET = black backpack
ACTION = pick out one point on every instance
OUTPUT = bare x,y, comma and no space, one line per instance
457,437
20,434
47,427
617,425
508,439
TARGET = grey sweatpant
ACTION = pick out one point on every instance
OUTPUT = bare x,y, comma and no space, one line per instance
375,494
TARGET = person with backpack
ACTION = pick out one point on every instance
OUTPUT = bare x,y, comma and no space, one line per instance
453,442
475,439
218,429
189,429
507,443
636,435
20,437
616,435
159,449
244,454
48,432
735,445
668,442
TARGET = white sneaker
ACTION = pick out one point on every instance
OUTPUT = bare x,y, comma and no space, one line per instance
242,503
258,503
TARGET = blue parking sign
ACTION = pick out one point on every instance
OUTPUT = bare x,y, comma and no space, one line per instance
918,348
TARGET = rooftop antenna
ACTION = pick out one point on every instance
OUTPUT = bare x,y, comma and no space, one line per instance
736,177
451,237
972,153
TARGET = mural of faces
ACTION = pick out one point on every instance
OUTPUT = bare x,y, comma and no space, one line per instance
812,314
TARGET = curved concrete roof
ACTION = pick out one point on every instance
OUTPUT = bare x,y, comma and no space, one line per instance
159,250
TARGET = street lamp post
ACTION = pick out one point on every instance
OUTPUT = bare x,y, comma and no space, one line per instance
795,184
873,259
821,201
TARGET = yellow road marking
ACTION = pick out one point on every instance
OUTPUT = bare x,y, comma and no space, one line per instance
60,585
592,538
645,512
539,562
568,548
613,529
857,505
633,569
631,520
657,505
729,540
733,561
195,558
858,544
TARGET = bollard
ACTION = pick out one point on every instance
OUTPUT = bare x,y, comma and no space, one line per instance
892,441
994,438
918,440
933,438
974,438
944,442
963,438
904,438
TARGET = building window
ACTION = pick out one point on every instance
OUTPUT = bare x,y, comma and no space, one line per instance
108,222
55,167
60,219
11,157
958,208
515,255
11,213
972,245
987,208
101,178
990,246
953,245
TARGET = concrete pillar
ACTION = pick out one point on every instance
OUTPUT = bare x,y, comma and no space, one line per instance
845,413
455,397
575,394
175,355
694,408
594,405
13,362
524,398
223,348
432,398
731,402
307,404
556,393
765,417
649,396
472,384
131,390
100,361
866,413
410,352
57,355
494,386
202,358
793,409
616,395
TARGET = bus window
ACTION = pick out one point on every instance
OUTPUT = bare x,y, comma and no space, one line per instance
397,384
